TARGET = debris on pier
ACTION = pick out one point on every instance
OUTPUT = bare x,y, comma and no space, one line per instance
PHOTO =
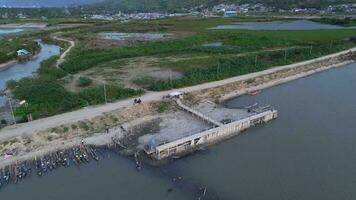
224,125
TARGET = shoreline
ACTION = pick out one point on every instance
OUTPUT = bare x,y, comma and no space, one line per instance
7,65
280,81
311,67
99,110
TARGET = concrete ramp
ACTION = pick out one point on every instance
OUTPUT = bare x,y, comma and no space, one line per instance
198,114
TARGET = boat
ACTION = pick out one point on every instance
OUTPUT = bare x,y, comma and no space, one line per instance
254,93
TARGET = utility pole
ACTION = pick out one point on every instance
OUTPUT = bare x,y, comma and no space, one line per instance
311,49
29,116
256,61
217,69
106,101
170,79
12,110
285,55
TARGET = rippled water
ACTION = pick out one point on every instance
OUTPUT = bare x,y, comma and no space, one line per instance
308,153
281,25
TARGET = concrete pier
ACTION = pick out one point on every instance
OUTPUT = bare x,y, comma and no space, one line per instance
198,114
220,131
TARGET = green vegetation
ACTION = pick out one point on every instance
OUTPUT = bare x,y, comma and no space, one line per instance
84,82
46,96
96,95
346,22
9,46
201,64
242,52
228,67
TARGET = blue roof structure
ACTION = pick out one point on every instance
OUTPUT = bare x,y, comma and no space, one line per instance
23,52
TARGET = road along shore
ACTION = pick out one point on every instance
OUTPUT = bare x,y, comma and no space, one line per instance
230,87
220,90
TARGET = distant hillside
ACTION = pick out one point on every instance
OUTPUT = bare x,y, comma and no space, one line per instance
44,3
177,5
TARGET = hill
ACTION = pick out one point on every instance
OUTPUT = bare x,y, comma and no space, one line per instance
44,3
178,5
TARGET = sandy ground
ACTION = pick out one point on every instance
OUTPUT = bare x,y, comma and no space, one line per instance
173,126
121,72
90,112
66,52
39,147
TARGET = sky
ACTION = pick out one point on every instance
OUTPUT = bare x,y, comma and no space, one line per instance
42,3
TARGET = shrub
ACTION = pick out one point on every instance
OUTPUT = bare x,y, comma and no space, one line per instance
84,82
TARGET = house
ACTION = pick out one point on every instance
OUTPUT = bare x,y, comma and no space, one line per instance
22,53
230,13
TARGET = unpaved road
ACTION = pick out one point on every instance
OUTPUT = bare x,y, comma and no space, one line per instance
90,112
64,54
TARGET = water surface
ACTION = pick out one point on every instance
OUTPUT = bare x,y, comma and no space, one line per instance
21,70
6,31
308,153
281,25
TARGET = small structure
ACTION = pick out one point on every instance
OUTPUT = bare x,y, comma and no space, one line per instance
230,13
23,53
175,95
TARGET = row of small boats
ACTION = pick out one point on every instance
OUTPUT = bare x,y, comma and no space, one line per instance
75,156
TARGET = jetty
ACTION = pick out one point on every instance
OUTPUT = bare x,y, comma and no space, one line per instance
218,132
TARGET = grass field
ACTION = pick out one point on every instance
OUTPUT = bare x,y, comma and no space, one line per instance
183,60
9,46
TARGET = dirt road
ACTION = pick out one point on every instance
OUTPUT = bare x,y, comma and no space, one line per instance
65,53
90,112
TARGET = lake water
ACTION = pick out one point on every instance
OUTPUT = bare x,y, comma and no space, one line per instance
20,70
281,25
308,153
127,36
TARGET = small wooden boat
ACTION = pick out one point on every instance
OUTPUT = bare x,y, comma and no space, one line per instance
254,93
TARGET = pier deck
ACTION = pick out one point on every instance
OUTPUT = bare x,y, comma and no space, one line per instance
220,131
198,114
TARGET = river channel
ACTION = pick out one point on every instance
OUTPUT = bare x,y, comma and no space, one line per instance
25,69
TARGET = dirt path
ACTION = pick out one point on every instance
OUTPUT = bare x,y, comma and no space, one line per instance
64,54
91,112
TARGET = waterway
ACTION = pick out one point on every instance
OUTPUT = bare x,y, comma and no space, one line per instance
6,31
20,70
281,25
308,153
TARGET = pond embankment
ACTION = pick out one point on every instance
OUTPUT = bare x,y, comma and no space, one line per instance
220,90
260,80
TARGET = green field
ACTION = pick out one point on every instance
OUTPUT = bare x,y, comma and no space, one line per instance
91,63
9,46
